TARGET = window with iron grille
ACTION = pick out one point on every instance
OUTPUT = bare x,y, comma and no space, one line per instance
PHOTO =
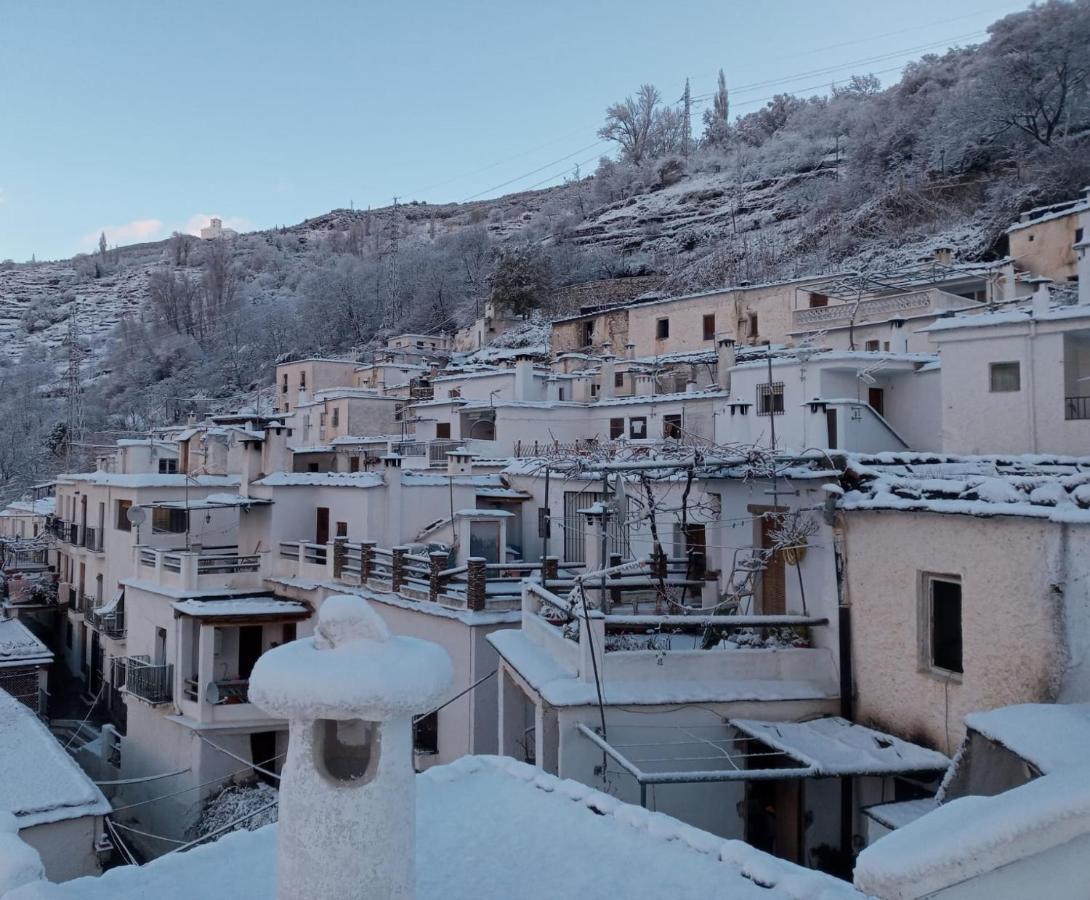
168,521
168,467
770,399
618,379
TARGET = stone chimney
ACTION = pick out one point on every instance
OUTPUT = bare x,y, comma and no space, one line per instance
725,359
630,350
524,378
645,384
348,790
607,373
459,462
944,256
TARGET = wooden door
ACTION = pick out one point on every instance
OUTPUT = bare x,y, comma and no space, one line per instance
830,427
876,397
773,821
773,579
321,525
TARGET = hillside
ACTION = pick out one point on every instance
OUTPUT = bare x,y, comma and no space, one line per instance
864,177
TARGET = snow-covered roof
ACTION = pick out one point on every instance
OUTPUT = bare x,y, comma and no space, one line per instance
152,479
900,813
1017,316
1049,736
1043,487
835,746
679,397
558,686
581,841
483,514
322,479
264,607
974,835
40,782
1049,213
313,448
19,646
213,501
45,506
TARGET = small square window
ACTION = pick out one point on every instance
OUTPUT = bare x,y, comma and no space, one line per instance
817,300
442,431
662,329
618,379
770,399
168,467
873,346
1004,377
709,327
637,428
941,621
616,429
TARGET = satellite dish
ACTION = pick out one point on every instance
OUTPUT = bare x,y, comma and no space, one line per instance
136,515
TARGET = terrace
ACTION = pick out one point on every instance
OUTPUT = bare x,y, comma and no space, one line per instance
198,570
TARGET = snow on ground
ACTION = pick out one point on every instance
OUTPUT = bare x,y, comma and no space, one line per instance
493,827
234,802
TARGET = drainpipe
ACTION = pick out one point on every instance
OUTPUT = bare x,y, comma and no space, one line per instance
844,639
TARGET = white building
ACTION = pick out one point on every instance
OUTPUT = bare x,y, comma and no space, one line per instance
57,808
214,230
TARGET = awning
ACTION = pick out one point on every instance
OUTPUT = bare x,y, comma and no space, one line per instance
835,746
212,501
750,750
236,610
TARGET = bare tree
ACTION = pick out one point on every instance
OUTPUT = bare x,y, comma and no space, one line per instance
630,123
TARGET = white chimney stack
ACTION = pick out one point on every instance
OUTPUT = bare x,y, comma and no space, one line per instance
348,791
1010,283
898,336
1042,300
524,378
725,360
607,375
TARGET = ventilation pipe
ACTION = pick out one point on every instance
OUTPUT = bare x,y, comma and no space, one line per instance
725,360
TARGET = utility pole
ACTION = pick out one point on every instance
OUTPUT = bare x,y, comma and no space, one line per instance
686,120
73,392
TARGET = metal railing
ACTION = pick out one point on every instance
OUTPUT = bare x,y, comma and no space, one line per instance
1076,408
111,624
92,539
153,683
228,564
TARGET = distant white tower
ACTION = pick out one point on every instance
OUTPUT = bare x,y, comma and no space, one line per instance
348,791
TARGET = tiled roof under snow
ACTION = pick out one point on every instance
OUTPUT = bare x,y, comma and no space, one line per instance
1043,487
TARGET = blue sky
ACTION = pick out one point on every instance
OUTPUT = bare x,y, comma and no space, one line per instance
143,117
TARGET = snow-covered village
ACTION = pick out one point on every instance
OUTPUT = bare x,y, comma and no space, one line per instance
687,495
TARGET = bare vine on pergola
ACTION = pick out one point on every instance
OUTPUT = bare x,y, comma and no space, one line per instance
659,474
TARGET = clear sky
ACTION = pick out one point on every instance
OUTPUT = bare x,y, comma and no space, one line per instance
145,116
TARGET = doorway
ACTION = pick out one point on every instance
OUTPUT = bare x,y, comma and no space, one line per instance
773,820
876,397
772,591
830,429
249,649
321,525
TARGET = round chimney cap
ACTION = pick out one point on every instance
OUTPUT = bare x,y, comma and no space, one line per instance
352,668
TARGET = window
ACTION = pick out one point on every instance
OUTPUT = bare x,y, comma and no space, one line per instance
753,325
770,399
454,393
618,379
872,346
941,623
336,416
560,394
616,429
637,428
353,464
594,390
588,333
671,426
1004,377
287,408
302,381
709,327
168,467
426,734
817,300
312,467
168,521
284,384
442,431
121,522
662,329
342,529
1078,235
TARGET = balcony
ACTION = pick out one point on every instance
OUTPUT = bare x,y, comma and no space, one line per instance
149,682
867,310
92,539
109,619
435,451
198,570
